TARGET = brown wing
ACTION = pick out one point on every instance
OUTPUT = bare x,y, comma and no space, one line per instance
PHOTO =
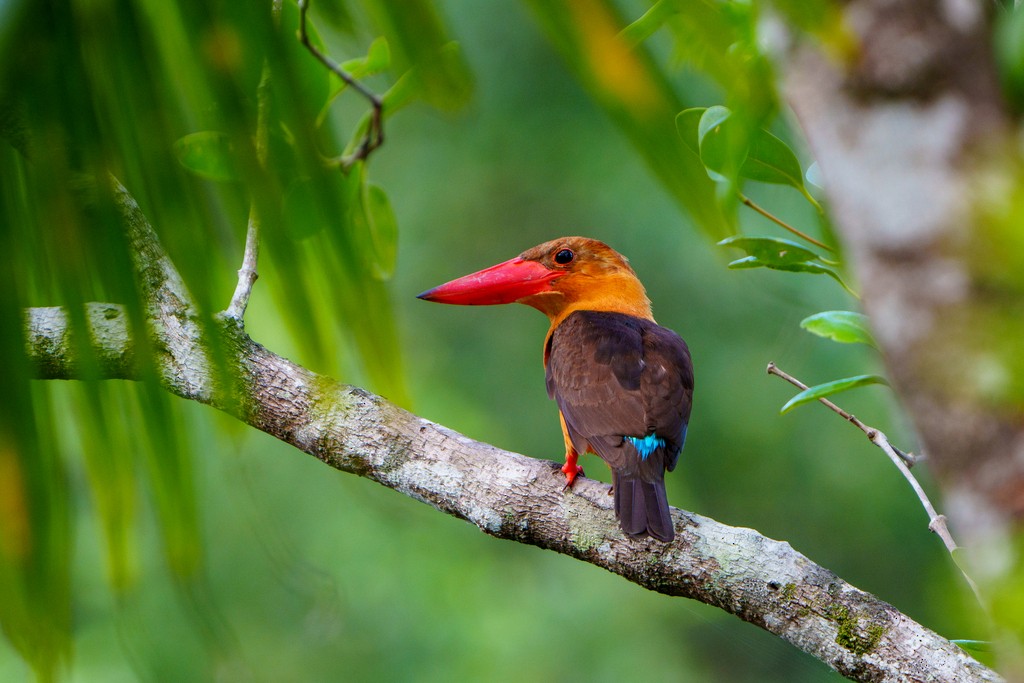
615,376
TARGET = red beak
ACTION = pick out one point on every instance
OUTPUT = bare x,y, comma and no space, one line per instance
501,284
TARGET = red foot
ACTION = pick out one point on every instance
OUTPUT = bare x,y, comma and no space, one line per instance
571,471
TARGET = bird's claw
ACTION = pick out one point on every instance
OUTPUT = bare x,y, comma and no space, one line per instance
571,471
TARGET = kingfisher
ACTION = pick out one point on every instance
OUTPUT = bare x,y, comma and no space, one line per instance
623,384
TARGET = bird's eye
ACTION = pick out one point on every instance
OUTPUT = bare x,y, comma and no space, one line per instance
564,257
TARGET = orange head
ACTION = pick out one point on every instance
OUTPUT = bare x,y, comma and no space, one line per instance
558,277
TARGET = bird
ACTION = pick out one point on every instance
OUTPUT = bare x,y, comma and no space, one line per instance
623,384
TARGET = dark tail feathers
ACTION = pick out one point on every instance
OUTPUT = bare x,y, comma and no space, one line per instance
642,508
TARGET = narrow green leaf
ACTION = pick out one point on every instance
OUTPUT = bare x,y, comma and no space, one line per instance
309,81
208,154
13,127
383,230
637,95
301,216
829,388
973,645
170,473
846,327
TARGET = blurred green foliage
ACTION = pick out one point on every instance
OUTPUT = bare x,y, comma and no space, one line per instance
142,537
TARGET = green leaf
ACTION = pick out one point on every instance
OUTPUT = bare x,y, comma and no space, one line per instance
829,388
309,81
814,176
301,217
973,645
723,148
408,86
383,230
731,148
13,127
377,59
711,119
771,251
779,254
208,154
687,124
1008,39
652,20
845,327
770,160
401,93
801,267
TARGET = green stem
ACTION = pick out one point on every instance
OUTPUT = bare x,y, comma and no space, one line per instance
775,219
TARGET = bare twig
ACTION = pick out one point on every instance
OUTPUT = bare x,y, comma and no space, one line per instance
903,462
248,274
747,201
374,136
908,458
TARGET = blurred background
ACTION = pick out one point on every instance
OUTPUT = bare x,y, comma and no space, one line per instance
302,573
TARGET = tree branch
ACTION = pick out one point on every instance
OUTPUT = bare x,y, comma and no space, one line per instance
510,496
51,350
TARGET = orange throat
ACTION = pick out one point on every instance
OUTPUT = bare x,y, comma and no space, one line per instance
613,293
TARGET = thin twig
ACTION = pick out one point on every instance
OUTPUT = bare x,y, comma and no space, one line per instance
908,458
247,274
903,462
747,201
374,137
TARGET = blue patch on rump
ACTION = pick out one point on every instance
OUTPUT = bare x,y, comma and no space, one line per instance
646,445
